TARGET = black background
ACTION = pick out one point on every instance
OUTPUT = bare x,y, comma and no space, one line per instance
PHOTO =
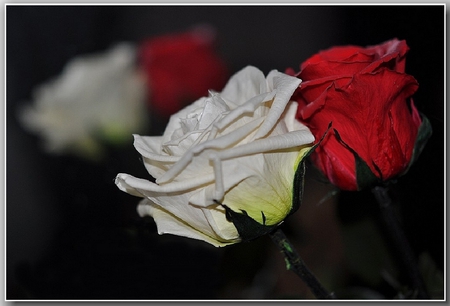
71,234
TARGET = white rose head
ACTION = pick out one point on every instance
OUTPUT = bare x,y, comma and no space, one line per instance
225,166
96,99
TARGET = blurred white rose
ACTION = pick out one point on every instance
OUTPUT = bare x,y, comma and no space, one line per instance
240,148
97,98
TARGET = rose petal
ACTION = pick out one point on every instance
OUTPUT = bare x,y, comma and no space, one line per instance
244,85
168,223
285,86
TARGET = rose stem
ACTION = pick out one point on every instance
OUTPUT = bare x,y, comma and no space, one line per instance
399,239
298,266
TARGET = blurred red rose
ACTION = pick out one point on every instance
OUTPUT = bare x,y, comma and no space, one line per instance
181,68
364,92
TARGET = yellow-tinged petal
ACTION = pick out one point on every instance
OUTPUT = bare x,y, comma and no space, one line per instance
269,190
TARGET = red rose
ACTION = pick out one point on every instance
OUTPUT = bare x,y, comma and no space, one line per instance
181,68
364,92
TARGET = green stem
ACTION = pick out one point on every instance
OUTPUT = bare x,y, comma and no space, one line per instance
399,239
298,266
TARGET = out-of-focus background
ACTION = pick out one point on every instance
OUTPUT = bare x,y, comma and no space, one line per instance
71,234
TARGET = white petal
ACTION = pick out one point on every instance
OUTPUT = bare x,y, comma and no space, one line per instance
141,187
244,85
150,147
167,223
285,86
179,207
224,228
278,142
290,119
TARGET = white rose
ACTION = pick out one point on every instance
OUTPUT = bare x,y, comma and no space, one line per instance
240,147
96,98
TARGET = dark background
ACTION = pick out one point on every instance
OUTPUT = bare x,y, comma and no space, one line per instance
71,234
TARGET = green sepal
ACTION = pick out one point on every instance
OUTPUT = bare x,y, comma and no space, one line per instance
299,177
423,134
248,228
298,187
364,176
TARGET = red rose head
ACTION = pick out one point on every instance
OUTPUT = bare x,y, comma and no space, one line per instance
181,68
364,92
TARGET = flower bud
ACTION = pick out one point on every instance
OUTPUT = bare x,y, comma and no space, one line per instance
365,93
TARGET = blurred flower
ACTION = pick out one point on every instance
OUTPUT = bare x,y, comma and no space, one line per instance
240,147
181,68
364,93
97,98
